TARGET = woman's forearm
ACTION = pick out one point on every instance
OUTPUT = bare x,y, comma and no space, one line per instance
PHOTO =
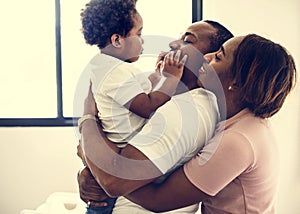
176,192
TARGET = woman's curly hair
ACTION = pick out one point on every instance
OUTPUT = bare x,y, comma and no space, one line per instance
103,18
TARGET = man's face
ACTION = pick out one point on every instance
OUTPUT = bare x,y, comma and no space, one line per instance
195,42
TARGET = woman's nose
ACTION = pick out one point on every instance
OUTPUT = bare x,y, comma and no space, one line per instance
207,57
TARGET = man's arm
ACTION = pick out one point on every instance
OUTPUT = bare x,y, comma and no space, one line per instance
119,172
176,192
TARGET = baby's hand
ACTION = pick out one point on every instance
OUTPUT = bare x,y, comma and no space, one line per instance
172,65
161,57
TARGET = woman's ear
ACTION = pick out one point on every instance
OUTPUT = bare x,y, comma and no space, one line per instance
115,40
233,86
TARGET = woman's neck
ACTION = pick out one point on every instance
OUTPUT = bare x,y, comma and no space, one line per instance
229,104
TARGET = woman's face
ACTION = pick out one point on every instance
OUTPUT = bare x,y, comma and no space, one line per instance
216,75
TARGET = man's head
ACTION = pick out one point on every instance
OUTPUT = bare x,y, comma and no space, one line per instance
200,38
206,36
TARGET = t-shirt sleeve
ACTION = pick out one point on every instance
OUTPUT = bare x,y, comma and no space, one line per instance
220,162
124,83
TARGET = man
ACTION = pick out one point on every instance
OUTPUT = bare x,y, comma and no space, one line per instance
173,135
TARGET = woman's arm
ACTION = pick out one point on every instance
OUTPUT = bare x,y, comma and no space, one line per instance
176,192
233,156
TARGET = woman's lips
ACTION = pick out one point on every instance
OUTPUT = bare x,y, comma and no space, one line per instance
201,71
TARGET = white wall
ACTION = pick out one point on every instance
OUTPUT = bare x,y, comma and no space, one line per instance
34,163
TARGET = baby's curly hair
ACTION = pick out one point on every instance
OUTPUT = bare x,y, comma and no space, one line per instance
103,18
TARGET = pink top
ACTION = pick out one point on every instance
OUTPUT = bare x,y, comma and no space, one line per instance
238,167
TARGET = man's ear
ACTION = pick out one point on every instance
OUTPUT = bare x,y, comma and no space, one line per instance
115,40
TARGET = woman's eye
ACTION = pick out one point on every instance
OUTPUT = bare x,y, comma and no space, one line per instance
217,58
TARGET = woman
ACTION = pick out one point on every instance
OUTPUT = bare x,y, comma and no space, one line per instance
236,172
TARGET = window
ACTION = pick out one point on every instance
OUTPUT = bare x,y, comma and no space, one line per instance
27,80
45,53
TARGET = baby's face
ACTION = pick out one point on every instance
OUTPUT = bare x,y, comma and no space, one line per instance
133,41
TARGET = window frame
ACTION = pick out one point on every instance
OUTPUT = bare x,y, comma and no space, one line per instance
60,120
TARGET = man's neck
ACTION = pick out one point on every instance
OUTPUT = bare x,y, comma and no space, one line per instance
188,82
182,88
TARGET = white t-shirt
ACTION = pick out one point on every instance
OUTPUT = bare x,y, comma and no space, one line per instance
173,135
114,83
238,167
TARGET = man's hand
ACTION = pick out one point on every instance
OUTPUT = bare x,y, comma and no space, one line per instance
90,191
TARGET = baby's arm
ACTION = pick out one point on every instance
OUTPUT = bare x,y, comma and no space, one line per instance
155,77
144,104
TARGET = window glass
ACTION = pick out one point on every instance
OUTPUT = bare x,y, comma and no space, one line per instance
28,69
75,52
